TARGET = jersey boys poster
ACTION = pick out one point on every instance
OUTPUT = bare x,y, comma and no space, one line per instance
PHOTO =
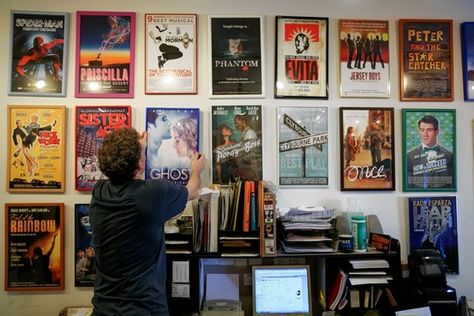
433,225
236,56
364,58
173,139
303,145
34,246
38,53
84,262
367,149
171,53
426,60
36,148
301,57
429,149
236,143
105,54
92,124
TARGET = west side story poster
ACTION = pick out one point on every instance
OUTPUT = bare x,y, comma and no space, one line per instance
34,246
236,56
36,150
92,124
171,53
236,143
364,58
38,53
173,139
426,60
301,58
303,145
433,225
105,54
84,262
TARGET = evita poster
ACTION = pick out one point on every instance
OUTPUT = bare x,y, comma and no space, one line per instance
173,139
236,143
236,56
433,225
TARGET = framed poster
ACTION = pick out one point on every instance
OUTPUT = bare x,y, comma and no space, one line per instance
367,149
301,57
303,145
38,53
36,148
429,150
467,46
92,124
237,59
173,139
34,247
84,261
105,54
236,143
426,60
170,53
364,59
433,225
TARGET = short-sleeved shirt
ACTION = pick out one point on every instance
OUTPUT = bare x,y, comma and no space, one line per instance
128,235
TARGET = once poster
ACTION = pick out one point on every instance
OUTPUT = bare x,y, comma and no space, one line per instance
84,262
173,139
236,57
36,148
105,54
92,124
426,60
301,57
34,246
170,53
236,143
429,150
39,49
367,149
364,58
467,45
303,145
433,225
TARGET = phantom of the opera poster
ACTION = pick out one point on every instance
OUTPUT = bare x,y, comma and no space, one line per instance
105,49
364,58
173,139
303,145
237,63
433,225
34,246
301,57
92,124
236,143
39,50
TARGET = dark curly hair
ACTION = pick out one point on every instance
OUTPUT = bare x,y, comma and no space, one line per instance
120,154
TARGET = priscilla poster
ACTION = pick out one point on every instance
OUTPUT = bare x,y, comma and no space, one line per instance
173,139
301,57
433,225
92,124
34,246
236,57
236,143
303,145
364,58
39,42
105,54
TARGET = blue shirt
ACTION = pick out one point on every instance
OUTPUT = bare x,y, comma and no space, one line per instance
127,223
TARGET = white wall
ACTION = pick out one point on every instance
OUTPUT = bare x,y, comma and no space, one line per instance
389,206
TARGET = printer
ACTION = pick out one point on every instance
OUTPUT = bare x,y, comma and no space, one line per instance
428,278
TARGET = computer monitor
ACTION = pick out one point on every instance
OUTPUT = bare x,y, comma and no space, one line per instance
281,290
